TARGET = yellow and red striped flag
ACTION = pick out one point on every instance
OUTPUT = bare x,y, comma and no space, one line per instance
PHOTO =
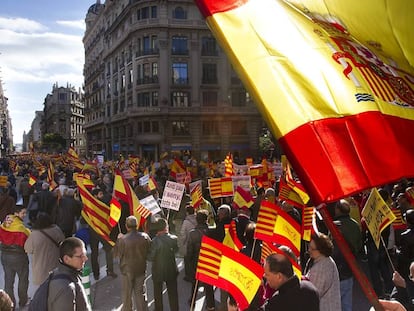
228,165
196,195
276,226
72,153
230,237
95,212
242,198
333,93
398,223
32,180
85,179
124,192
230,270
269,249
114,212
220,187
308,221
51,177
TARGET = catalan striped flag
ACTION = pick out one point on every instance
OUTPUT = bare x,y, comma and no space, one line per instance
72,153
95,212
269,249
288,194
51,177
196,195
332,93
230,270
398,223
308,220
228,165
220,187
276,226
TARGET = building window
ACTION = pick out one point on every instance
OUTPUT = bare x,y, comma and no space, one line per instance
155,127
145,12
147,127
208,46
238,98
143,99
238,128
180,99
154,11
209,99
179,45
179,13
180,128
209,74
180,73
210,128
155,98
154,69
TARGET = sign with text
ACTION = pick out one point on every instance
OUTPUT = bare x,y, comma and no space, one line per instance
242,181
151,204
377,215
171,197
144,180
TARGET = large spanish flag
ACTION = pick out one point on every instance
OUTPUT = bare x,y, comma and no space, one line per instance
336,91
221,266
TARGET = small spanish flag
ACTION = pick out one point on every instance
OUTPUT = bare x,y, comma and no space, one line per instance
32,180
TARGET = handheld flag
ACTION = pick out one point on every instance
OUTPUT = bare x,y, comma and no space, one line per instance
242,198
228,165
230,237
276,226
230,270
32,180
95,212
333,93
269,249
124,191
115,212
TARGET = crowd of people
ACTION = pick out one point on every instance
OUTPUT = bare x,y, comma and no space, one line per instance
56,237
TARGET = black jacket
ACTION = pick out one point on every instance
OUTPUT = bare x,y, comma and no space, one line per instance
162,254
294,295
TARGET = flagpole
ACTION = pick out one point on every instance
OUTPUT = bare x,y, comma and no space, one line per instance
350,258
388,255
192,305
254,245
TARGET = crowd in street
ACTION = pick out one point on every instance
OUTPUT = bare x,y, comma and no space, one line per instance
55,235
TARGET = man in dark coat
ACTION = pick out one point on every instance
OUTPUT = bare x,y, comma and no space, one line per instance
291,293
7,203
164,267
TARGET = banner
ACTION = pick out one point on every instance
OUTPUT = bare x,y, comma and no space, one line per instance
151,204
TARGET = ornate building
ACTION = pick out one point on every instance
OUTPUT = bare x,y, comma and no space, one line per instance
63,115
156,81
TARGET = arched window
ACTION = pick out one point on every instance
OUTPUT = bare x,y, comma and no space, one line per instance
179,13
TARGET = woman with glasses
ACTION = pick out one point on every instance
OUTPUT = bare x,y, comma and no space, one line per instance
321,270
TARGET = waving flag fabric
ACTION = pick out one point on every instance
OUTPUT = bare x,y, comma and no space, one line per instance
333,89
242,198
228,165
230,237
32,180
269,249
124,191
220,187
230,270
95,212
276,226
114,212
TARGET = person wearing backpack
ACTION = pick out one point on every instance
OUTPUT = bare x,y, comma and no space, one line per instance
67,293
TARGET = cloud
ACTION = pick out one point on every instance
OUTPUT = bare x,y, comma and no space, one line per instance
78,24
21,25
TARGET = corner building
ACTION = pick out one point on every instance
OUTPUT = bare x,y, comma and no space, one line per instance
156,80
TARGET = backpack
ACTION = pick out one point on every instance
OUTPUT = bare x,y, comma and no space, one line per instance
40,298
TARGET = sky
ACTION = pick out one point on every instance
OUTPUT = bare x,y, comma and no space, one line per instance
40,45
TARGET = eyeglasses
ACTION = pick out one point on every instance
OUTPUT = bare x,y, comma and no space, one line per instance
80,256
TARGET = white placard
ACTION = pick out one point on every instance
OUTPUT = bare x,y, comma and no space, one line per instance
171,197
242,181
151,204
144,180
